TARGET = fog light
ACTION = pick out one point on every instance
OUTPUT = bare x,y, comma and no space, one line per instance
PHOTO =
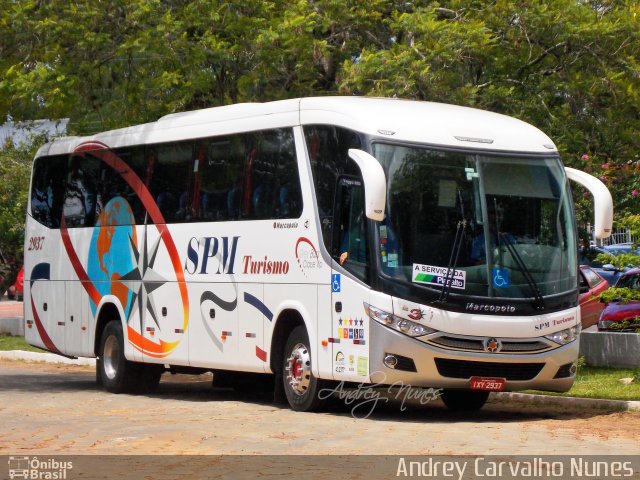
390,360
573,369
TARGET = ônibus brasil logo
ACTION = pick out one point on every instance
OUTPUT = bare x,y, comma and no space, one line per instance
38,469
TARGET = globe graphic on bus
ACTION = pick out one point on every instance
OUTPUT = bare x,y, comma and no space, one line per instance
110,256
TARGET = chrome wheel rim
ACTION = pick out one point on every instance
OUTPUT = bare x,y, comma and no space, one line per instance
298,369
111,357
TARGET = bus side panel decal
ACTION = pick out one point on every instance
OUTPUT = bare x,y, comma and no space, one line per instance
41,272
146,346
43,332
226,306
262,308
261,354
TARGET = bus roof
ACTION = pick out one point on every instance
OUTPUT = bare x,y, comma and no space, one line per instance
396,120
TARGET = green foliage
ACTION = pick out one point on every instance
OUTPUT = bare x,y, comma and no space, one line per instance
570,68
633,324
15,171
623,295
596,382
8,343
619,261
632,222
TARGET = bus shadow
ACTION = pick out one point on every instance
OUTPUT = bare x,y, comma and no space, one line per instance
386,406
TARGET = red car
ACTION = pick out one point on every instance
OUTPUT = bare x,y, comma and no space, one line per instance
620,316
16,291
591,286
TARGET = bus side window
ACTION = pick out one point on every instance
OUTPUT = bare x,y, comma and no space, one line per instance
171,180
48,190
112,187
79,202
220,177
272,183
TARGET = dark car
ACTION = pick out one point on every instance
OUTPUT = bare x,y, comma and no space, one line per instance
591,286
623,316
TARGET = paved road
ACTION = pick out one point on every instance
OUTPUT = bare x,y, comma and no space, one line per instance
46,409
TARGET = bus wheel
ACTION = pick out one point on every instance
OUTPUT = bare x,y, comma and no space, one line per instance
300,386
118,374
464,400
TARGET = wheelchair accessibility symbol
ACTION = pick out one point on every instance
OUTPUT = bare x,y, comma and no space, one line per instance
335,283
500,277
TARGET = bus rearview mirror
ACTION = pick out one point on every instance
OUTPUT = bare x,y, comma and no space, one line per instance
602,201
375,183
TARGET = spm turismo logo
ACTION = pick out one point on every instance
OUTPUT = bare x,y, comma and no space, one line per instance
38,469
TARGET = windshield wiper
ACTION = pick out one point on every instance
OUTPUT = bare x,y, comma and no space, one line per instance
453,260
461,229
538,302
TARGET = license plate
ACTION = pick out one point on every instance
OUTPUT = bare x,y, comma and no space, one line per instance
484,383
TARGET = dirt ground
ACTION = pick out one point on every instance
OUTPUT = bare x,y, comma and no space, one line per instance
49,409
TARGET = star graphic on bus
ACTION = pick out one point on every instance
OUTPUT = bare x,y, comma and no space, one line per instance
142,280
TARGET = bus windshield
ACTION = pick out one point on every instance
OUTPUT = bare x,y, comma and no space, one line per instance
491,226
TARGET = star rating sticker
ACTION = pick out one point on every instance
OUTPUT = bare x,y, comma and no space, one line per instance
142,280
340,322
361,322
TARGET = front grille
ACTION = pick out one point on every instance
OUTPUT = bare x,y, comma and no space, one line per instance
466,369
458,343
528,347
476,345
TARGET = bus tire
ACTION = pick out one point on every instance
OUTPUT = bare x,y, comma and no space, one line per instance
117,373
301,387
464,400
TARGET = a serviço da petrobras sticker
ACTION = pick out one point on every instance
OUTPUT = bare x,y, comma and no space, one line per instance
431,275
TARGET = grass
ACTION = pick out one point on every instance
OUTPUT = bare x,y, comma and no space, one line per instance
7,342
595,382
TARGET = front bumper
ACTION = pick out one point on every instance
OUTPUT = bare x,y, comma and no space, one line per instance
425,365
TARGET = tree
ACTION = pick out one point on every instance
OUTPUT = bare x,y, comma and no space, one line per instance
15,170
569,67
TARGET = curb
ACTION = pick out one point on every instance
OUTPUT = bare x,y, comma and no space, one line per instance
574,402
45,358
13,326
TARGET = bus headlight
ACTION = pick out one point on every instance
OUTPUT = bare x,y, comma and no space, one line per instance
413,329
565,336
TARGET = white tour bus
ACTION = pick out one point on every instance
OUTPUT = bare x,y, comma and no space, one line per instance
311,240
